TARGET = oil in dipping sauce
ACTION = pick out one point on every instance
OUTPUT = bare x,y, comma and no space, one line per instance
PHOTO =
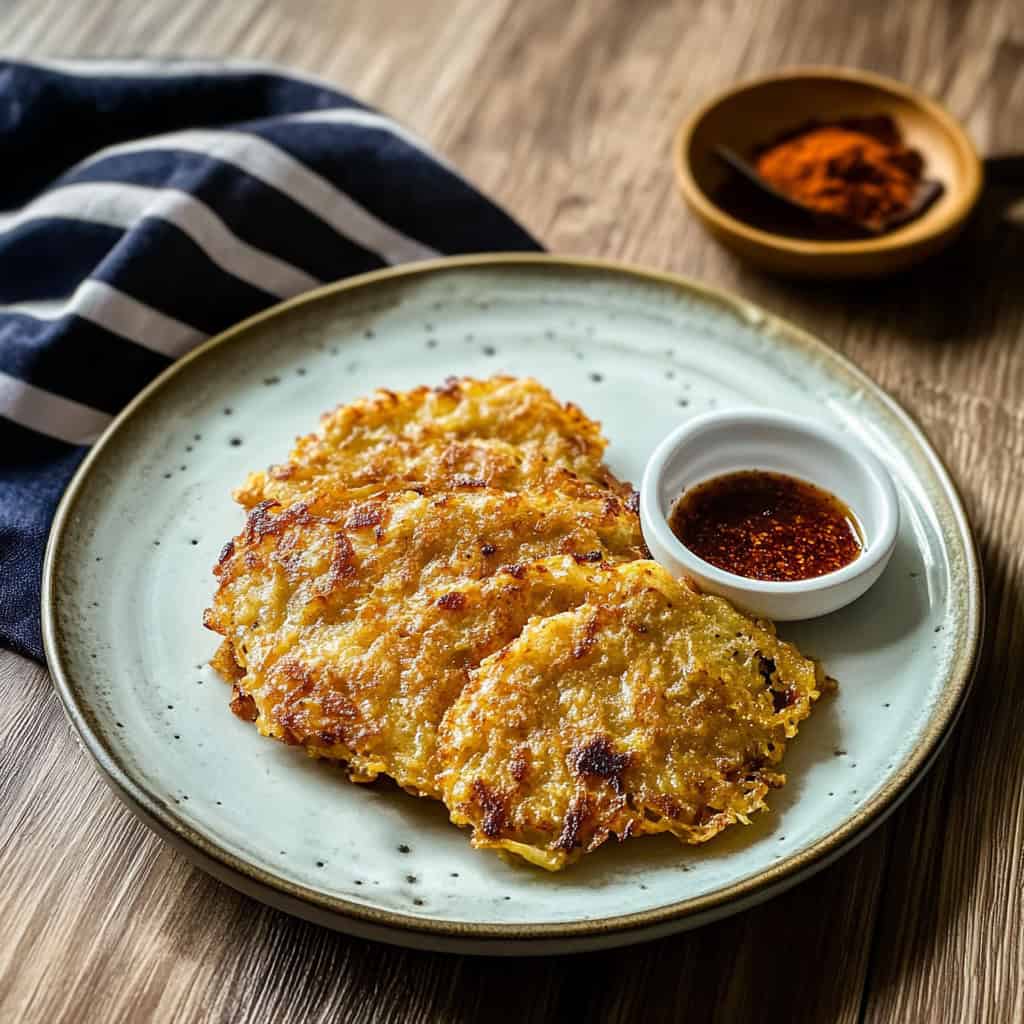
766,526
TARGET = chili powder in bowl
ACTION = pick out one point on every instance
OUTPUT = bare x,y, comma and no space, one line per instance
844,141
852,175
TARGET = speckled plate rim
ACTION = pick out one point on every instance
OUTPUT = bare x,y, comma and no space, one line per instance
484,937
904,237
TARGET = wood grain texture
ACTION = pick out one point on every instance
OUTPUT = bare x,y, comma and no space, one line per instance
565,113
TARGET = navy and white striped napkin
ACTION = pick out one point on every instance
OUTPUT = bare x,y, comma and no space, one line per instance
146,205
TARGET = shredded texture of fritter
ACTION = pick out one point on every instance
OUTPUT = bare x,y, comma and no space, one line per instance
352,622
504,432
448,587
649,708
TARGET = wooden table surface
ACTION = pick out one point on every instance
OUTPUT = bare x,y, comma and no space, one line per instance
565,113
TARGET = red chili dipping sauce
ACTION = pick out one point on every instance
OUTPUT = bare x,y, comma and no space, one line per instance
766,526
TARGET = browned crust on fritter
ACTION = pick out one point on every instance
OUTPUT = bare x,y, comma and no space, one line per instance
648,708
503,432
352,621
223,662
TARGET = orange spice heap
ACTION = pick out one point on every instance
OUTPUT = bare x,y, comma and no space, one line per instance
857,170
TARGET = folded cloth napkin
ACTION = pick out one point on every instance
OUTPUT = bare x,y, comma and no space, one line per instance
146,205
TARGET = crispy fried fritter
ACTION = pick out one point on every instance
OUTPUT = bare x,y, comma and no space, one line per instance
504,432
350,621
649,708
449,587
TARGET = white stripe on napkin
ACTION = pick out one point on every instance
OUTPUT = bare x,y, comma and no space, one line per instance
48,413
120,205
119,313
278,169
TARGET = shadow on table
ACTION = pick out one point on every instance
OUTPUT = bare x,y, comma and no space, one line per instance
960,294
953,876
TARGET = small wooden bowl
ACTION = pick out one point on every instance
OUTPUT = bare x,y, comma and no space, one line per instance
758,112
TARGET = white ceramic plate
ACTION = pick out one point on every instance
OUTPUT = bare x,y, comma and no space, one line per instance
128,575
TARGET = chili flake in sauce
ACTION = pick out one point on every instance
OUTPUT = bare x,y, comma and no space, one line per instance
766,526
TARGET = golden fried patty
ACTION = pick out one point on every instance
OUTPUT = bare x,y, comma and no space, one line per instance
350,622
504,432
648,708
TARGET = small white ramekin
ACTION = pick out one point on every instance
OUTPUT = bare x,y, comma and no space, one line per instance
745,439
